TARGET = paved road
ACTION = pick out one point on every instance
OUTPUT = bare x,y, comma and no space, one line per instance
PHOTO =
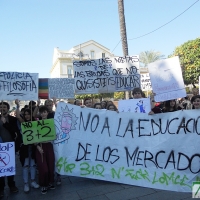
75,188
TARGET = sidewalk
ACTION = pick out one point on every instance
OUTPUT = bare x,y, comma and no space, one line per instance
75,188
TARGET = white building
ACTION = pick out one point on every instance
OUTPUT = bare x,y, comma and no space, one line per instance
63,60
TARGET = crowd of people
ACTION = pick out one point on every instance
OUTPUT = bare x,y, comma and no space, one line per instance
40,156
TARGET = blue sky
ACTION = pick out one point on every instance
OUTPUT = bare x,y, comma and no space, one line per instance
31,29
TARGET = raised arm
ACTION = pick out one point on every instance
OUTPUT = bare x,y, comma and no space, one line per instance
36,110
18,112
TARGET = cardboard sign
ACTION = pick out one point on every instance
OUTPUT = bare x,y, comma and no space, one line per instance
145,82
17,85
38,131
158,151
61,88
7,159
166,79
135,105
106,75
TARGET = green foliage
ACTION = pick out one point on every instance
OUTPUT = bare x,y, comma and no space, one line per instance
95,96
189,55
119,95
147,57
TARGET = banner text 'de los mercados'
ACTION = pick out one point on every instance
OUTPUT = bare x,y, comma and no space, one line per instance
123,147
38,131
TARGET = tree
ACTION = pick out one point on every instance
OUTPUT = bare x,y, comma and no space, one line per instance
123,31
147,57
189,55
95,96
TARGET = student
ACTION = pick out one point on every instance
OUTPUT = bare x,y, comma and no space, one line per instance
27,153
196,102
77,102
170,106
103,104
137,93
8,133
45,159
112,107
88,103
97,106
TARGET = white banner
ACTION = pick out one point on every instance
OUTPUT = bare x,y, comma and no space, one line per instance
17,85
106,75
145,82
61,88
135,105
166,79
160,151
7,159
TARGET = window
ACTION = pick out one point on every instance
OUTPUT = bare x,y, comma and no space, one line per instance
69,70
92,54
103,55
64,69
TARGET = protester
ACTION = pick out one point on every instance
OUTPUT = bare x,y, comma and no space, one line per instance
88,103
137,93
196,102
77,102
112,107
103,104
170,106
45,159
97,106
27,153
8,133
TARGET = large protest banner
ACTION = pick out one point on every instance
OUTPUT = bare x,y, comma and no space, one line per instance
160,151
106,75
17,85
7,159
145,82
135,105
166,79
61,88
38,131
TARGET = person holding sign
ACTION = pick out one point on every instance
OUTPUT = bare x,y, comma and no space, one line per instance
45,159
27,153
8,133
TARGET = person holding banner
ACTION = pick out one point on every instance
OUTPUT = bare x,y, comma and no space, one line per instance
27,153
8,132
45,159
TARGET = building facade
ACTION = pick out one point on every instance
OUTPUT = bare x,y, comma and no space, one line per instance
63,60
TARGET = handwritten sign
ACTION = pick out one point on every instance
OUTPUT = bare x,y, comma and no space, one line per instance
61,88
166,79
7,159
159,151
38,131
145,82
106,75
17,85
135,105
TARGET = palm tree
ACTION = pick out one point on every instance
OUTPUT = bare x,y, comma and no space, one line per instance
122,27
147,57
123,32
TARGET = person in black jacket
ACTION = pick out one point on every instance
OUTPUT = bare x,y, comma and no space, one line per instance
8,133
